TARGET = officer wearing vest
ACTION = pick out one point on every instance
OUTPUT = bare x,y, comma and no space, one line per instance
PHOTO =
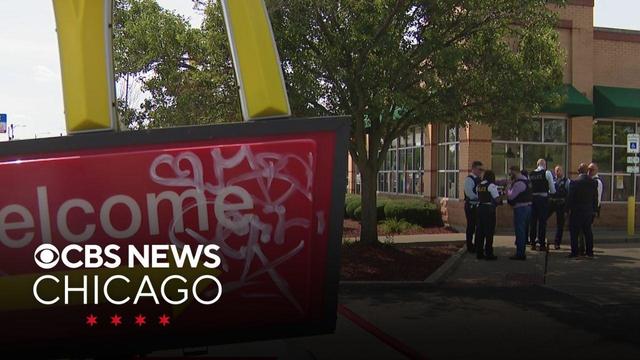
519,197
557,202
592,172
583,203
488,199
541,187
471,202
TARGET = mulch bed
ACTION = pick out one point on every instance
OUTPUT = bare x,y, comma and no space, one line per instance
402,262
351,229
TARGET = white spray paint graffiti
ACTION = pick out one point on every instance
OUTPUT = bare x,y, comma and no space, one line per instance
265,168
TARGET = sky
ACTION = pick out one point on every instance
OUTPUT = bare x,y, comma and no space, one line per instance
30,84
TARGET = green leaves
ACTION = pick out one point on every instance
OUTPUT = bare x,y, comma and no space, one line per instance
447,61
185,74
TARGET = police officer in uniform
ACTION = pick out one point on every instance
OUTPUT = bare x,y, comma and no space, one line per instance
519,197
471,202
488,199
583,203
541,186
557,202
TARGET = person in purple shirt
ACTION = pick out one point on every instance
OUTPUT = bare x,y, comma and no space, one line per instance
519,196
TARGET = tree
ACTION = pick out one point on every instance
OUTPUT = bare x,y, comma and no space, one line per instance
394,64
185,73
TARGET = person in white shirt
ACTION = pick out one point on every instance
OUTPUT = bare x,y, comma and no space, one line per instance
488,199
593,173
542,185
471,203
557,202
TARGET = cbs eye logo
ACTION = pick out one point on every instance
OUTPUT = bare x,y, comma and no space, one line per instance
46,256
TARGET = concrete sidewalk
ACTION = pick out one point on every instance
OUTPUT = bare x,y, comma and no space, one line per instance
503,272
612,277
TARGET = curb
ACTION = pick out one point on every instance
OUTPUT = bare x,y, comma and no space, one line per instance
384,285
438,277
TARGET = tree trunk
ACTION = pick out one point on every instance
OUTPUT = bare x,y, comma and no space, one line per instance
369,224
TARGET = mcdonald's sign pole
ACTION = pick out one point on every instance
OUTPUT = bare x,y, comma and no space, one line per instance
85,41
255,56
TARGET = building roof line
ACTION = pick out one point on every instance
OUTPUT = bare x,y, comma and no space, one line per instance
612,34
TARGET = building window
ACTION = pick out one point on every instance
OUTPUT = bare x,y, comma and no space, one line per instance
610,152
403,169
547,140
448,168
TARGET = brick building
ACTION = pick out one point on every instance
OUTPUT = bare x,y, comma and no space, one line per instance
602,77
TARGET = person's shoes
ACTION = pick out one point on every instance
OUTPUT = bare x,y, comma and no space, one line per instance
572,256
516,257
557,247
533,247
543,248
491,258
590,256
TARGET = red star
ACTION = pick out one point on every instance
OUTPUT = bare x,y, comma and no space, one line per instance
164,320
116,320
92,320
141,320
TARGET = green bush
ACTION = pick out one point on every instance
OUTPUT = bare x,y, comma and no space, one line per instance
351,203
357,213
395,226
414,211
353,208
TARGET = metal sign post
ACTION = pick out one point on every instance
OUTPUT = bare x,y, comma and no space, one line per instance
633,147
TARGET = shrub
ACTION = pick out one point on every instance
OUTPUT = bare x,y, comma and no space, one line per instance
395,226
351,203
414,211
357,213
353,207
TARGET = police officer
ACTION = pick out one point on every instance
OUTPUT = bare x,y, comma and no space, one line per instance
541,186
488,199
583,203
519,197
557,202
593,173
471,202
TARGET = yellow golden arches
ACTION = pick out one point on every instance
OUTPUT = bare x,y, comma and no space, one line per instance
255,56
85,40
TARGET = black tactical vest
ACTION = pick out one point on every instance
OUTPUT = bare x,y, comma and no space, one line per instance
561,189
484,196
539,183
525,196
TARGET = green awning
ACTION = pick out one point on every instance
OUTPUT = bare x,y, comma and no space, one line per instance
575,104
616,102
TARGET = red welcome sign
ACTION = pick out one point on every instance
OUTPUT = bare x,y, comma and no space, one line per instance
269,196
